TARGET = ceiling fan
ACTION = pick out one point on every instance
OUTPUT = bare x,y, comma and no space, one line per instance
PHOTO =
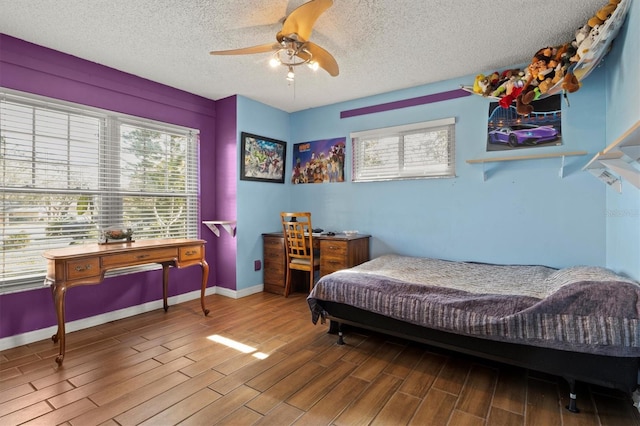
293,47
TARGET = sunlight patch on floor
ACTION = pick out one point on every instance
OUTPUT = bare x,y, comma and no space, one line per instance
241,347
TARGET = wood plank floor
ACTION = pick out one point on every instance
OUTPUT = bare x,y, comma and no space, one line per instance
260,360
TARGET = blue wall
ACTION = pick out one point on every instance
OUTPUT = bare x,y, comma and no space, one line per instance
523,213
259,204
623,111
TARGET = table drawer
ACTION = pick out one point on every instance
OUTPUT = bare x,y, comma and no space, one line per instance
77,269
140,257
190,253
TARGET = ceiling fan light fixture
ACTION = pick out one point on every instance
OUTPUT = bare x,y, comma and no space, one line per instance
293,53
293,47
274,61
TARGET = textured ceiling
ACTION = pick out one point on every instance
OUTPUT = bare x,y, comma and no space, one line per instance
380,45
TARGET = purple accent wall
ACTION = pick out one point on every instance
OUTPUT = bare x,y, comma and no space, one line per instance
421,100
31,68
225,166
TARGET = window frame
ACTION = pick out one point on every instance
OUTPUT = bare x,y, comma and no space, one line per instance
360,172
109,138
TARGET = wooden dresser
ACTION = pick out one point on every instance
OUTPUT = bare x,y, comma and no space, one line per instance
336,252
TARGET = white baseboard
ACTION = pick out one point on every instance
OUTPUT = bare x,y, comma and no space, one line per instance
46,333
244,292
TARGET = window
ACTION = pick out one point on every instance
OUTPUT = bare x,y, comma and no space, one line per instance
67,172
420,150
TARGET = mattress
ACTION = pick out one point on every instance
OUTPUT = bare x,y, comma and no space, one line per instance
580,309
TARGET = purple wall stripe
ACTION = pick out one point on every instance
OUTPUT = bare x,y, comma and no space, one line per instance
421,100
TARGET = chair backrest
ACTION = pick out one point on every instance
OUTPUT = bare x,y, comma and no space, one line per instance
297,233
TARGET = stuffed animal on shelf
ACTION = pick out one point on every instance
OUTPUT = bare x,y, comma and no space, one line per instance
583,42
551,68
581,34
498,84
543,63
523,108
570,83
509,79
603,14
589,32
545,85
541,76
478,85
511,95
584,47
562,58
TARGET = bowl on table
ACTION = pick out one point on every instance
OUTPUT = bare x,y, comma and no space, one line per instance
116,233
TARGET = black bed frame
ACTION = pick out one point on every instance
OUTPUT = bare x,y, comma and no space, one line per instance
612,372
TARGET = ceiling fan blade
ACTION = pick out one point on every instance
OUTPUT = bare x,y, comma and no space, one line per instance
269,47
302,19
324,59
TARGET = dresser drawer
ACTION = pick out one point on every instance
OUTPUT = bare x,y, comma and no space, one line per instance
140,257
274,263
273,241
328,266
271,264
274,255
274,270
77,269
273,246
333,249
274,277
190,253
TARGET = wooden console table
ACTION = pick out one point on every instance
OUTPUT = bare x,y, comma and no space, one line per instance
86,264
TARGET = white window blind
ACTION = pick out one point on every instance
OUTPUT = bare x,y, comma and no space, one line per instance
69,171
420,150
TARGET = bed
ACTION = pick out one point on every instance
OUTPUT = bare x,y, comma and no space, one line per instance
580,323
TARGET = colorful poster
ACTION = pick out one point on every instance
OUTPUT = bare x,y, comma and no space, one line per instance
507,130
318,161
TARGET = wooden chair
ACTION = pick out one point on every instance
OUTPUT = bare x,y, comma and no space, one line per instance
298,240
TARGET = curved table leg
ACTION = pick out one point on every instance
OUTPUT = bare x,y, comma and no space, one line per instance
205,277
58,300
165,285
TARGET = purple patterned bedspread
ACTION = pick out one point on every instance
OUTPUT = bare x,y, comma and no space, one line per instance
579,309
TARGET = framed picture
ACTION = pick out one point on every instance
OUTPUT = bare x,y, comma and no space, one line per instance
262,159
508,130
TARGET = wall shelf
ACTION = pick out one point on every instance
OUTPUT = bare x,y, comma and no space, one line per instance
561,155
613,164
227,225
